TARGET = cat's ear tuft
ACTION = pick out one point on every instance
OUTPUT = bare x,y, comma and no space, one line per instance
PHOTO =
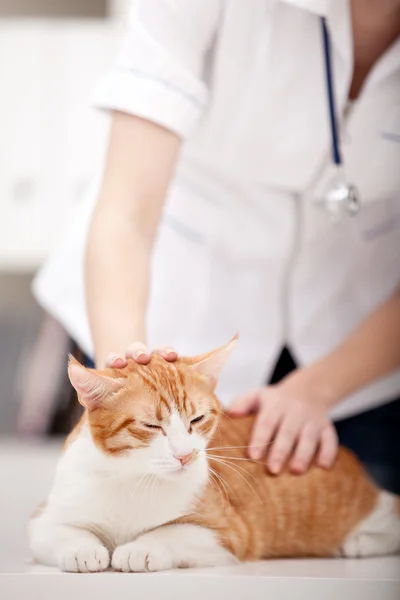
211,364
91,386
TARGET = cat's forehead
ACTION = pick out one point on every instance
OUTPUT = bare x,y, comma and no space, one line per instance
163,385
159,371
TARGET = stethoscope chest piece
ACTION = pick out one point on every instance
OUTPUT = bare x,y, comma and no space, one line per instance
340,199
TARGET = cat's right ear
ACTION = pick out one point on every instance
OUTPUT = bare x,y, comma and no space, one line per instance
92,387
210,364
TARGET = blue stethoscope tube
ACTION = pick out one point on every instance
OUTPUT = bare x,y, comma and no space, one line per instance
336,154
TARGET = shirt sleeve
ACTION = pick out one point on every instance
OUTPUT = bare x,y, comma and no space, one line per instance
158,74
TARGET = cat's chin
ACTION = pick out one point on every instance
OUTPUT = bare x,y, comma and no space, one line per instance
174,474
194,471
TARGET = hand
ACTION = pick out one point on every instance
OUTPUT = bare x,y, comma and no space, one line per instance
292,422
141,354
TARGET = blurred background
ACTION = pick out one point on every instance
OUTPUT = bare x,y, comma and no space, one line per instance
52,54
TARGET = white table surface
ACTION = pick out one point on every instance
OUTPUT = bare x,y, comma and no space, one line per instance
25,476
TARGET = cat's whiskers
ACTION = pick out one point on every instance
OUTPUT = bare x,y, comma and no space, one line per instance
251,460
224,483
149,487
154,482
226,464
141,483
238,447
218,431
224,414
214,480
237,466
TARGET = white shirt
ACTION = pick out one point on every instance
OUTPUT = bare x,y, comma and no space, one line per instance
242,245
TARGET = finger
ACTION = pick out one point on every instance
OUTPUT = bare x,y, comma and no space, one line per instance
139,352
328,447
116,362
170,354
263,431
305,449
245,404
283,445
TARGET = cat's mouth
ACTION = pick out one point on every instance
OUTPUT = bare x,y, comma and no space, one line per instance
171,467
163,466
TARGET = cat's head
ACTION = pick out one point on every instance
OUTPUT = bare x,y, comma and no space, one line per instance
159,416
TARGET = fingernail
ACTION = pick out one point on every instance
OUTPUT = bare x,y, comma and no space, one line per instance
324,464
297,468
118,362
140,353
274,468
255,453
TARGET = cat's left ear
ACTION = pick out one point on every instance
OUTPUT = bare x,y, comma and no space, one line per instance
210,364
92,387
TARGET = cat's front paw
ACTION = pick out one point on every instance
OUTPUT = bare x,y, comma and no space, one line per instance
84,558
142,555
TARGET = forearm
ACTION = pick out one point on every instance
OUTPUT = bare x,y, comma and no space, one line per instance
369,353
117,281
139,167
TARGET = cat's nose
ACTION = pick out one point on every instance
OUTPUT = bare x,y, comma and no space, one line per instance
184,459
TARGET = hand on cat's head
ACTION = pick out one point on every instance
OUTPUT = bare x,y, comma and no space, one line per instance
141,354
165,412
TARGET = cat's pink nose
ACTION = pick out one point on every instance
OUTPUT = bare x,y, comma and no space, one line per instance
185,458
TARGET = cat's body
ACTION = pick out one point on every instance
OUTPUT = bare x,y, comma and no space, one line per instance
290,515
156,504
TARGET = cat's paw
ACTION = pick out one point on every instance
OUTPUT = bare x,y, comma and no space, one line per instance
84,559
142,555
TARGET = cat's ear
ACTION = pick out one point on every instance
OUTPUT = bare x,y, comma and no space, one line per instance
210,364
92,387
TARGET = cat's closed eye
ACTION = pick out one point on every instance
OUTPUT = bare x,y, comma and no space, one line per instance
151,426
197,419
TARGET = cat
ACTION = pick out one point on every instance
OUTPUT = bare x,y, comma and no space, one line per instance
155,476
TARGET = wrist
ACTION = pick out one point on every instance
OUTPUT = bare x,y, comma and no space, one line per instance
314,384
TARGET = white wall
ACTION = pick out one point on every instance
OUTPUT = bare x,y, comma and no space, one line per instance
51,138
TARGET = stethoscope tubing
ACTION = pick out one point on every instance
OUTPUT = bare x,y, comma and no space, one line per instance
336,154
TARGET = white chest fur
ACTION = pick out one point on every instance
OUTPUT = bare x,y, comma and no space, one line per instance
106,495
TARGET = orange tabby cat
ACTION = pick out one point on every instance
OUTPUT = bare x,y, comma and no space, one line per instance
155,477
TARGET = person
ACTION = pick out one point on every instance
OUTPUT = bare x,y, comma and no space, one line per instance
208,217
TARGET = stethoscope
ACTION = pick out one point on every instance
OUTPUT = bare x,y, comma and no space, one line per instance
340,197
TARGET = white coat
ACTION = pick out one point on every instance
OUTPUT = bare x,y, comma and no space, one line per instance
242,245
